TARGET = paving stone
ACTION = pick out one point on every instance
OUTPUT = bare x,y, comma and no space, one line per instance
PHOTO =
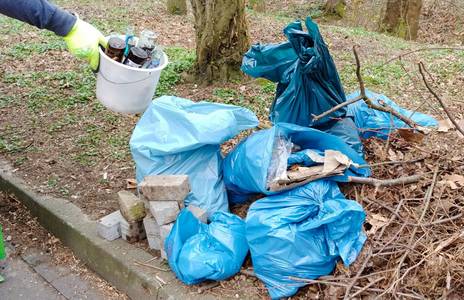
51,272
164,211
73,287
131,207
165,188
24,283
109,226
200,213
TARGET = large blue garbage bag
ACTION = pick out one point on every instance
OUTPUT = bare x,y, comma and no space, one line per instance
302,233
371,122
345,129
246,166
197,251
308,82
178,136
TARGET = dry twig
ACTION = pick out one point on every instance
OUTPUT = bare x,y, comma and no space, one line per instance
367,100
385,182
445,108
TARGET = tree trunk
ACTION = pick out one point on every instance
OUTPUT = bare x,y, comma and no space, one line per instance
401,18
221,38
335,7
177,7
257,5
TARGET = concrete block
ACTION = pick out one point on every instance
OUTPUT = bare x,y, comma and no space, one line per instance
200,213
131,207
154,242
164,231
109,226
151,226
164,211
132,231
163,254
166,188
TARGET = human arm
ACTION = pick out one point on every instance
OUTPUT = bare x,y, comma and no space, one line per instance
81,38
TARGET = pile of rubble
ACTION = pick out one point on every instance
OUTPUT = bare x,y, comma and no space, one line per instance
151,214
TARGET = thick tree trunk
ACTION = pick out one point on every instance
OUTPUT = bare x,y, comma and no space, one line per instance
221,37
335,7
401,18
177,7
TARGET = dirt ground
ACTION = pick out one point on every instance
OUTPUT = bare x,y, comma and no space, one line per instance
63,142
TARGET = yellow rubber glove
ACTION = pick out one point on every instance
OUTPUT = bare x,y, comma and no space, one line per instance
83,41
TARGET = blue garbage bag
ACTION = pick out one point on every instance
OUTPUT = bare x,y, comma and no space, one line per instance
346,129
371,122
198,252
308,82
246,166
178,136
302,233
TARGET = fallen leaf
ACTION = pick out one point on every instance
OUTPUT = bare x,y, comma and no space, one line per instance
411,135
454,180
392,155
377,221
131,184
444,125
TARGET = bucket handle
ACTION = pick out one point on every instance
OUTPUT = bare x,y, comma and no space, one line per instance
114,82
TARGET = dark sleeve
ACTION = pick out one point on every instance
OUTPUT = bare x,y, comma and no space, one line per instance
39,13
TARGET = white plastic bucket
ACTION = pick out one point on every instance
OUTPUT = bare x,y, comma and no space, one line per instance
126,89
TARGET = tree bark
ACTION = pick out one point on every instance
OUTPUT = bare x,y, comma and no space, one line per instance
401,17
221,38
335,7
176,7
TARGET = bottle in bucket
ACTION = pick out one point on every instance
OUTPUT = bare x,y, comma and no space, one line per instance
136,57
115,49
154,59
147,40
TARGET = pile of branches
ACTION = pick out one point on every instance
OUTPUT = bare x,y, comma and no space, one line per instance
415,232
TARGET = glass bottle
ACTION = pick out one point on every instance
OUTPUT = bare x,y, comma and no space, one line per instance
136,57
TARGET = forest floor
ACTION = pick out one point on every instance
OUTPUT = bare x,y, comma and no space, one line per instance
62,141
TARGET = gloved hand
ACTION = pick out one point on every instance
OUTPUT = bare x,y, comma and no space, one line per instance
83,41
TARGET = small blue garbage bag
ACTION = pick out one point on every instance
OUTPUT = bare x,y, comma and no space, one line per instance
308,82
371,122
302,233
178,136
246,166
198,252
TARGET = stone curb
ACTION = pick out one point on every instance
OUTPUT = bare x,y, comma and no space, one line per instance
114,261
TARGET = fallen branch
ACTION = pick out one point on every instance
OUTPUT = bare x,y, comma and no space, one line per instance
385,182
375,290
367,100
358,274
418,50
448,113
410,246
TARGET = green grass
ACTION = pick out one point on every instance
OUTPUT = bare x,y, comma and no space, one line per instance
180,60
9,26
